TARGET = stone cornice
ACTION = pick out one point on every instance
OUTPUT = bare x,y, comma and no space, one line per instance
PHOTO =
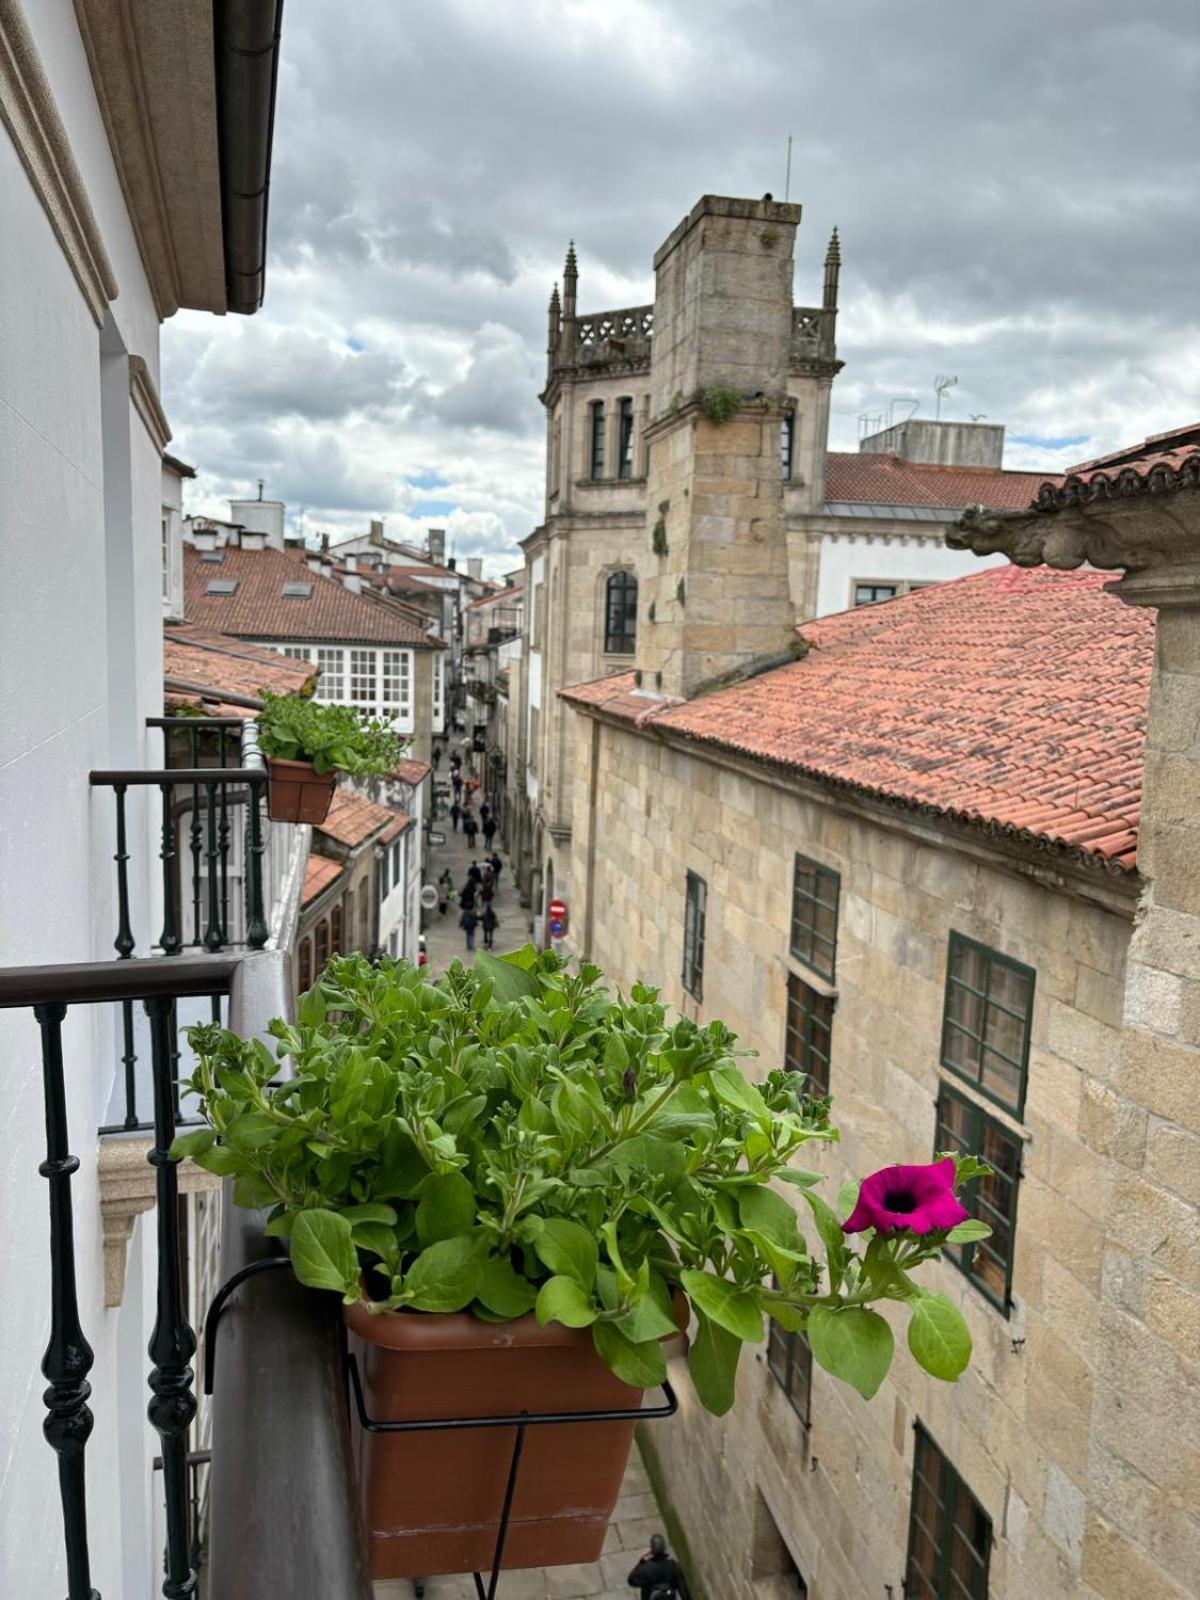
29,112
147,404
1149,531
127,1188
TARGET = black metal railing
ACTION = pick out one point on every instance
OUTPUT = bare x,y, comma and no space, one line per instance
197,1465
210,792
157,984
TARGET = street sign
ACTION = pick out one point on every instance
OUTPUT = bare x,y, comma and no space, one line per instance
557,910
557,928
437,836
429,896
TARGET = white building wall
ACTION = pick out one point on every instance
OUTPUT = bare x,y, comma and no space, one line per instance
860,558
80,614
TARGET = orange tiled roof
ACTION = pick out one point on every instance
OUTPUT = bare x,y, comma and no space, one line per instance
1163,462
412,771
1012,699
352,820
396,828
862,476
259,610
319,873
227,665
510,591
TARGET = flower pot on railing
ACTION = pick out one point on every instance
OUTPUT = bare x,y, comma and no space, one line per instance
432,1502
297,792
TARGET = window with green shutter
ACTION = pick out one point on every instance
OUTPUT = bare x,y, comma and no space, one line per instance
988,1014
963,1128
949,1532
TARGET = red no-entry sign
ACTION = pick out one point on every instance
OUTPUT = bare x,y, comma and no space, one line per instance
557,910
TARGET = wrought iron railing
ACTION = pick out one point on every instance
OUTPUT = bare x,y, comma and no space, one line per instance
157,984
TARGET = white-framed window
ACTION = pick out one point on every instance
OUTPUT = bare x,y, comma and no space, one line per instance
396,696
331,685
166,554
298,652
362,678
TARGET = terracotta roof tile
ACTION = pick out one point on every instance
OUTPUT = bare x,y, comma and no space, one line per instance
1013,699
319,873
227,665
890,480
413,772
509,592
352,820
258,610
1160,464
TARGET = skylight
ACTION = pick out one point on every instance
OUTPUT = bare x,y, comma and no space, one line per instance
212,556
221,586
297,591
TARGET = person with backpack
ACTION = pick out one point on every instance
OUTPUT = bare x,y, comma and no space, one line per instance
468,922
488,922
658,1575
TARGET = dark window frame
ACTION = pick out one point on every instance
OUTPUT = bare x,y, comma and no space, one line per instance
875,599
813,900
598,424
620,607
783,1362
787,442
625,421
947,1140
956,1493
817,1013
695,917
993,958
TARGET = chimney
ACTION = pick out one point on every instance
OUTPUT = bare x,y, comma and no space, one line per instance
718,581
326,566
313,563
352,581
204,538
450,565
351,563
437,546
376,533
475,568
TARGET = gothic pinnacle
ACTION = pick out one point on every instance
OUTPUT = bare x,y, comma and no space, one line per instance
571,270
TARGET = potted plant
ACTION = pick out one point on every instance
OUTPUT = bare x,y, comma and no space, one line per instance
307,744
520,1185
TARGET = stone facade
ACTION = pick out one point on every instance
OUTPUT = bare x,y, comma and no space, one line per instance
1074,1426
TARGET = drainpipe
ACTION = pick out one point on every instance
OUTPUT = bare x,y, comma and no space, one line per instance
246,63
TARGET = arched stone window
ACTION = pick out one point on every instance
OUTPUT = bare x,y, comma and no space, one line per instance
620,614
596,419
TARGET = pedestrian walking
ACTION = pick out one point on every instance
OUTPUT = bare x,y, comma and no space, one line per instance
437,756
485,812
468,922
495,863
444,885
658,1575
422,953
456,784
489,831
474,872
455,814
470,828
488,923
487,890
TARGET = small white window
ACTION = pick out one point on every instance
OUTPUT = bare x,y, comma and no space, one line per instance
397,682
362,678
331,685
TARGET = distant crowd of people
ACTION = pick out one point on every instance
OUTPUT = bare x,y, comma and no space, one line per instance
475,896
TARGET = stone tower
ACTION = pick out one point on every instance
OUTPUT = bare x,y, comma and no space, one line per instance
716,592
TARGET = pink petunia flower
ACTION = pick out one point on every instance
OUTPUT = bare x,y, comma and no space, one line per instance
916,1200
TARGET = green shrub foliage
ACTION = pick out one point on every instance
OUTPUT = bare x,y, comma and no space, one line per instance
333,738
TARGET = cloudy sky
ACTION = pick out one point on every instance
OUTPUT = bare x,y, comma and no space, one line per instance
1015,185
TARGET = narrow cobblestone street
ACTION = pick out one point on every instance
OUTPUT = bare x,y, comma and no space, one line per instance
444,939
634,1520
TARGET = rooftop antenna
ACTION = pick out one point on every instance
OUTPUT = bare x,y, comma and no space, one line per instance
940,385
978,416
787,176
902,400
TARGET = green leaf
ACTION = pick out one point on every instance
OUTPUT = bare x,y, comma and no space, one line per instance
572,1110
939,1338
503,1291
370,1211
509,978
763,1211
854,1345
789,1317
568,1247
730,1086
222,1161
712,1362
323,1254
251,1131
642,1366
562,1300
847,1198
192,1144
379,1240
969,1232
447,1208
651,1317
738,1311
446,1276
837,1252
799,1177
311,1011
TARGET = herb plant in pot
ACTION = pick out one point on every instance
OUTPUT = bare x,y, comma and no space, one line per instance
521,1186
307,744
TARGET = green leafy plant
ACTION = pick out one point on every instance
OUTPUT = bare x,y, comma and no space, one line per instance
515,1139
658,534
333,738
681,592
719,403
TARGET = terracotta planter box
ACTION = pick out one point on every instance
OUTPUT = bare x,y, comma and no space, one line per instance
432,1501
296,792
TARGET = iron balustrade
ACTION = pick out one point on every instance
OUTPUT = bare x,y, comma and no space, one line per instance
157,983
216,791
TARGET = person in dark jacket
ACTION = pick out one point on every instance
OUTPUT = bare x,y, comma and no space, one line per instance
466,895
470,828
495,863
468,922
455,813
489,831
488,923
658,1574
